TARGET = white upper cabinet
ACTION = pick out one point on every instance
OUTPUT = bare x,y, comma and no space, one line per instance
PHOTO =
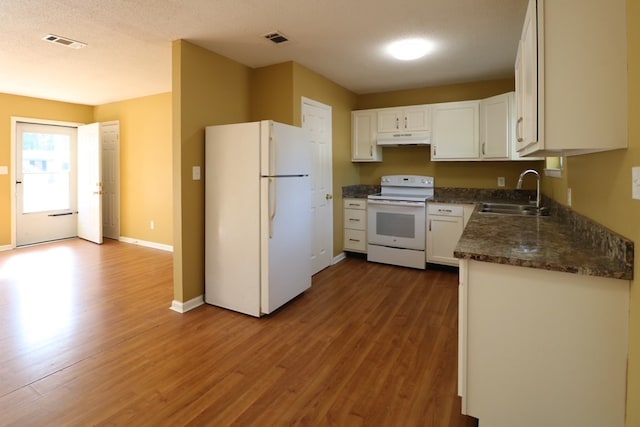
455,131
495,127
404,119
571,78
498,129
363,137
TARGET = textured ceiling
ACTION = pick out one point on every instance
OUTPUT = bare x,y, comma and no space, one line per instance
129,42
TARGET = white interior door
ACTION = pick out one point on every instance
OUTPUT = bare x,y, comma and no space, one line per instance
316,119
45,182
90,183
111,179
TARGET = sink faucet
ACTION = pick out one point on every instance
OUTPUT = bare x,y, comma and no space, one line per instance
519,186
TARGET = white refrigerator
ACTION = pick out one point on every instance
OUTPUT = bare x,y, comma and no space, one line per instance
257,216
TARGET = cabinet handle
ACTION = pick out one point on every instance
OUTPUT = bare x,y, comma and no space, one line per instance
405,122
518,137
434,151
429,225
354,219
371,150
354,204
483,144
354,240
397,123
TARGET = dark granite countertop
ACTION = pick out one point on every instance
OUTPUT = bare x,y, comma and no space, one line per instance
538,242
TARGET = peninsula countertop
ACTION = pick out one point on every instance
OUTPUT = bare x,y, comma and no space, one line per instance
545,242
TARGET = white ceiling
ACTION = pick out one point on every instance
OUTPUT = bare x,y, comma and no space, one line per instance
129,42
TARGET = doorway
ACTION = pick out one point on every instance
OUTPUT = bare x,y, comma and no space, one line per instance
59,186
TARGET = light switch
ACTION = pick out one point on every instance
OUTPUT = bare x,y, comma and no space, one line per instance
635,182
196,173
4,170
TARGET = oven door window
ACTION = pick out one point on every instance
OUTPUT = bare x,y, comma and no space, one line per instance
394,224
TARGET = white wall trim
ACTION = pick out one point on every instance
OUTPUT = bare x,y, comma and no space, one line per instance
161,246
340,257
183,307
6,248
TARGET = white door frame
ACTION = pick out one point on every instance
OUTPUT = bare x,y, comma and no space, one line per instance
329,173
12,161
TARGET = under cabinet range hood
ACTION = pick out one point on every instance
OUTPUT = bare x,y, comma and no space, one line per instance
391,139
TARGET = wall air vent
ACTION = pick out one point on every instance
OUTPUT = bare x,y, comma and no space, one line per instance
276,37
52,38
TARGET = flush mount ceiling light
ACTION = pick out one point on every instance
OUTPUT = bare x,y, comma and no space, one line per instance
74,44
409,49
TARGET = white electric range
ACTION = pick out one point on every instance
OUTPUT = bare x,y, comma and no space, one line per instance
396,221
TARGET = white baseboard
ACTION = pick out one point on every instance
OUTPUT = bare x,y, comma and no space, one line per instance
6,248
161,246
340,257
183,307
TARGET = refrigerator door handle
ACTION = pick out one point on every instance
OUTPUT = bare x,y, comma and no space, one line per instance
273,204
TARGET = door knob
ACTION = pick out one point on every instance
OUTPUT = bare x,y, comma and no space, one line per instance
328,196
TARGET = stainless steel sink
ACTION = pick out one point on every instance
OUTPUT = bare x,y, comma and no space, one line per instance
514,209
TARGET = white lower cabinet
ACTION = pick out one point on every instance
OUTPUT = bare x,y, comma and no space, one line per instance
541,348
355,225
445,224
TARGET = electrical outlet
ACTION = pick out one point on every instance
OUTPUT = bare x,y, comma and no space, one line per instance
195,172
501,181
152,225
569,197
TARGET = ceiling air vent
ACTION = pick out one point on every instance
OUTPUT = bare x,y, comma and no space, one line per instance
276,37
64,41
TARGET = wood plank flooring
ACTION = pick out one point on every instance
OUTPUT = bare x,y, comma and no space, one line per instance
87,338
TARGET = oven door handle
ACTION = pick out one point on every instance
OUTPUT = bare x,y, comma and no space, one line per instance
395,203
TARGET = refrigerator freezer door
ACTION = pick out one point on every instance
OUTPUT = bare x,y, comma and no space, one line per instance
285,150
232,217
286,249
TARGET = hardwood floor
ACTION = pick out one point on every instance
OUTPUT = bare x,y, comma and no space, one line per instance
87,338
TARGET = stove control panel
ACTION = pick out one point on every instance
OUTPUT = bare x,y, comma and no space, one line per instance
407,181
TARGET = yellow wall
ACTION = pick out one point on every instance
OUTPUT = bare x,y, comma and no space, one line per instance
417,160
145,166
432,95
20,106
272,93
601,190
208,89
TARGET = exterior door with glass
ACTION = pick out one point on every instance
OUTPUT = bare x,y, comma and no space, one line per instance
45,183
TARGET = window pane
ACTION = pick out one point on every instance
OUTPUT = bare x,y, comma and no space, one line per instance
45,168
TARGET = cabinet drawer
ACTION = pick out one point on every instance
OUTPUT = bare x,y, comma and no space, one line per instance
355,203
445,210
355,219
355,240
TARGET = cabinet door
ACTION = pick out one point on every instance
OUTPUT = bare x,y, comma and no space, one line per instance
417,118
455,131
442,237
527,74
389,120
495,127
363,137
